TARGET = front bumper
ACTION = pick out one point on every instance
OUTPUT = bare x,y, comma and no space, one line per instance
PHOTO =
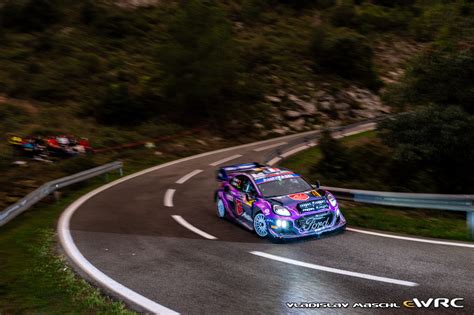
292,231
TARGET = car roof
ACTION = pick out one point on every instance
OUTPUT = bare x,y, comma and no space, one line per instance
266,173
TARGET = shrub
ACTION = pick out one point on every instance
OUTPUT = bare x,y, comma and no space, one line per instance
199,64
298,4
376,18
435,142
32,15
120,107
344,53
440,77
343,15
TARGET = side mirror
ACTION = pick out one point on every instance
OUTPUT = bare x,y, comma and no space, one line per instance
220,176
317,185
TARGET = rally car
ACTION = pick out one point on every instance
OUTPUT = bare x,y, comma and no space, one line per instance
276,203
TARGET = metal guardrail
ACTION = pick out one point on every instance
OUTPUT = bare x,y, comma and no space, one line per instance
312,137
29,200
409,200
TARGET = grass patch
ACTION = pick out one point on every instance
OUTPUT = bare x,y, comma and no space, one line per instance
34,279
429,223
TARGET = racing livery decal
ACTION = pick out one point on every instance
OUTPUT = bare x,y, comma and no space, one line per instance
238,207
299,197
275,202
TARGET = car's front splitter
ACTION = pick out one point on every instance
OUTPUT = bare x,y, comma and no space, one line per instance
295,233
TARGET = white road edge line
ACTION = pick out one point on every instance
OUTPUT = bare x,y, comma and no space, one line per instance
186,177
192,228
274,161
168,200
81,262
334,270
235,156
295,150
270,146
105,281
413,239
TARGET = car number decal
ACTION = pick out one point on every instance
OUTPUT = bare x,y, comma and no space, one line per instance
299,197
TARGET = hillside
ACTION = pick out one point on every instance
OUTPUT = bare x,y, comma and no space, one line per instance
127,71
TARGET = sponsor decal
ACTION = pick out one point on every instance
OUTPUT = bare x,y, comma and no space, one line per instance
269,170
314,205
239,209
299,197
275,177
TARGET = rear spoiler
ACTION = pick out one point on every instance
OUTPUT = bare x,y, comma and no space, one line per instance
224,171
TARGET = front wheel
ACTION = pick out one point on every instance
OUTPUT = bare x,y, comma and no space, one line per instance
260,225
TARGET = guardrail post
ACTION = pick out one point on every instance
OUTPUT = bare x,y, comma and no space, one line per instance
121,172
106,177
470,223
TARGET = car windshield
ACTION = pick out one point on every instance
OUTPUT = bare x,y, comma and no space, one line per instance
284,187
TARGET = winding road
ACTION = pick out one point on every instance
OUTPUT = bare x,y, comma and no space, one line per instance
154,239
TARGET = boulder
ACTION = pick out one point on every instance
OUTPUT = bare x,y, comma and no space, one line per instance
342,106
297,124
308,108
325,105
292,114
273,99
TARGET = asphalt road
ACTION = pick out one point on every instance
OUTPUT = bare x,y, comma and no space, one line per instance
129,234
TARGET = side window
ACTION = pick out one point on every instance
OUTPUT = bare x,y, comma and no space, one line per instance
238,182
249,188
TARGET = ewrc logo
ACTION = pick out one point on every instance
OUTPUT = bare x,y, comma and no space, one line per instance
436,303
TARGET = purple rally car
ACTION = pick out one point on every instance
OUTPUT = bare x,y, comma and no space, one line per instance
275,203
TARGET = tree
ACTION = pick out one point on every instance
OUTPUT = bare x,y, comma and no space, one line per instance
435,141
335,162
32,15
442,78
199,62
345,53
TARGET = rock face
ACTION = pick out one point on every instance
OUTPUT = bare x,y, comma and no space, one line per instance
292,114
298,124
322,106
273,99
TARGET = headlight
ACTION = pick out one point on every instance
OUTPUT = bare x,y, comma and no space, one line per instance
280,210
332,200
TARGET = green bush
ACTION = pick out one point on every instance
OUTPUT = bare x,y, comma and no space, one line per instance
298,4
345,53
434,144
31,15
120,107
343,15
440,77
373,18
199,63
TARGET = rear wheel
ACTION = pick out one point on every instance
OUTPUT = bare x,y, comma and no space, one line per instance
260,225
220,208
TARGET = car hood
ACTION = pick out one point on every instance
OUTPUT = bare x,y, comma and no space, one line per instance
308,201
